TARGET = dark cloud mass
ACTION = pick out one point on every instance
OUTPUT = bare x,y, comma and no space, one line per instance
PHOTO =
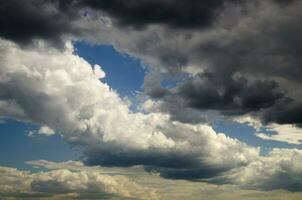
176,13
232,96
248,66
23,20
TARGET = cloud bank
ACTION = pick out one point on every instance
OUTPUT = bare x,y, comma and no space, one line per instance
74,180
232,58
79,182
219,44
66,95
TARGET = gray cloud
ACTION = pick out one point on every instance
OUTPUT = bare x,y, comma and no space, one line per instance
174,37
23,21
175,13
231,96
250,53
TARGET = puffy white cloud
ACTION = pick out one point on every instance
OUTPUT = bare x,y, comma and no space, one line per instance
45,130
99,73
62,92
281,168
276,132
283,133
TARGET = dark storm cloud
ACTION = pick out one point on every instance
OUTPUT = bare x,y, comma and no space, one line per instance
250,65
110,154
169,164
22,20
195,174
176,13
290,113
234,96
230,96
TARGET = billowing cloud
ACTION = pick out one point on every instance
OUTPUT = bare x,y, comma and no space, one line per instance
247,47
64,183
280,169
284,133
74,180
65,95
173,13
275,132
245,63
23,21
233,58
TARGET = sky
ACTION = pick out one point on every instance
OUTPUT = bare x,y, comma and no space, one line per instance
151,99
